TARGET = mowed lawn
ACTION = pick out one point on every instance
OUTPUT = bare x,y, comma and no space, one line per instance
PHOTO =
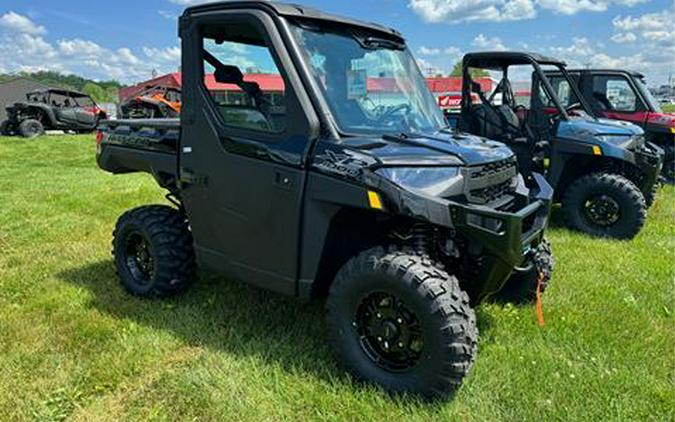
74,346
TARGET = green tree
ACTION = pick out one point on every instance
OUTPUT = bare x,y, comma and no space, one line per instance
95,91
475,73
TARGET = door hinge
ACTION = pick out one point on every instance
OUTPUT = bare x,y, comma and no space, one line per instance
189,177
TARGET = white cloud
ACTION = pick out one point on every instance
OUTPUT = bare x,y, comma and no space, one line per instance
168,54
34,46
484,43
453,11
167,15
79,47
653,60
624,38
651,27
426,51
476,10
19,23
125,55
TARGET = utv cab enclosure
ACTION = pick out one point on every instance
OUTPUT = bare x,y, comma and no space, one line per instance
320,166
623,95
604,172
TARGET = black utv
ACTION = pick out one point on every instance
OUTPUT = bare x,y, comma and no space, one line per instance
52,109
604,172
332,175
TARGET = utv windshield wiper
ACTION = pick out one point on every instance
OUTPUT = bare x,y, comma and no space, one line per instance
372,43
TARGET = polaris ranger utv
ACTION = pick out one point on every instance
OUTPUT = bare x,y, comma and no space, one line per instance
603,172
623,95
332,175
52,109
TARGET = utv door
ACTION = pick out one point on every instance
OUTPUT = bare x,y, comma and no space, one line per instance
66,112
242,162
615,97
84,113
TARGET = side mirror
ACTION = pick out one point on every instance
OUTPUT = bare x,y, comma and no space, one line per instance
228,75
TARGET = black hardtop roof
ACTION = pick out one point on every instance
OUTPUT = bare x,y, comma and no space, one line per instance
499,59
294,11
623,71
60,91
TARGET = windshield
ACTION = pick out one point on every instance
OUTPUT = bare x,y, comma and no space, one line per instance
652,104
371,85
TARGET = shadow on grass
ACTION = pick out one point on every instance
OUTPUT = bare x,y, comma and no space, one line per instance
229,316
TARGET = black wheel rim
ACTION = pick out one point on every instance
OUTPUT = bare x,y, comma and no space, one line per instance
389,332
139,259
33,129
602,210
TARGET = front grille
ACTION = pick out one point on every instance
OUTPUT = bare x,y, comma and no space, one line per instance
491,182
491,193
492,168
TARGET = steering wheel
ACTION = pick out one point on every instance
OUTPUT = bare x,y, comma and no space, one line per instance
573,106
393,110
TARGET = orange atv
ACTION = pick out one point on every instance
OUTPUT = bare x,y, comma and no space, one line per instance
153,103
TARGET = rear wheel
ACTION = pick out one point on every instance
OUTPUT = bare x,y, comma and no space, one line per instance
398,321
6,128
605,205
31,128
152,247
521,287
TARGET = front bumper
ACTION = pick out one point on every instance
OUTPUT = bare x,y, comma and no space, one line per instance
649,159
501,239
505,238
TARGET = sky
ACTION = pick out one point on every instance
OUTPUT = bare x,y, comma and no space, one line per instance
128,40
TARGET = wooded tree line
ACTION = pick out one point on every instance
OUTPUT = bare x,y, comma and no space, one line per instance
100,91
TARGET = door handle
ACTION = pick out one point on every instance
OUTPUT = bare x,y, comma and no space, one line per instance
188,177
283,180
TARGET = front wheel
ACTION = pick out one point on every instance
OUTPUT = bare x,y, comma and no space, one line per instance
521,287
397,321
153,251
31,128
6,128
668,171
604,205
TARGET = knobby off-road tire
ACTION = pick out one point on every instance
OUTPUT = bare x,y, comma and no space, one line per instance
31,128
153,251
396,320
521,287
5,128
668,172
611,191
650,196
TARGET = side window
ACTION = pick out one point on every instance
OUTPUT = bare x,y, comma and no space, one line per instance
244,82
613,93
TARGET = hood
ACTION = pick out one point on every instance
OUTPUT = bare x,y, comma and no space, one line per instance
580,128
662,119
432,149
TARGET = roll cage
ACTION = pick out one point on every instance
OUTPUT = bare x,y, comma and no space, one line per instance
48,97
502,60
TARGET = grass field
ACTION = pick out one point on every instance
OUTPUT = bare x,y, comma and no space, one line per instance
74,346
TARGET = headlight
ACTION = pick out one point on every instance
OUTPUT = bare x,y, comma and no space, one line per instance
617,140
434,181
